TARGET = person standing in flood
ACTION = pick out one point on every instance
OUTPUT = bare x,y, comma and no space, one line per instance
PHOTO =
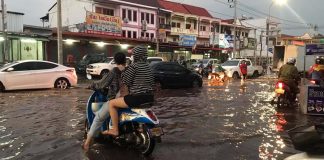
243,68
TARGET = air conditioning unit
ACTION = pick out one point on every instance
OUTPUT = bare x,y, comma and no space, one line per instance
126,20
144,25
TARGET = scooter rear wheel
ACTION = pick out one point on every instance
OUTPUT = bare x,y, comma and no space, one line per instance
147,142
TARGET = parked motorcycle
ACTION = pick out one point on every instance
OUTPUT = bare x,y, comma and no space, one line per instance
283,95
138,127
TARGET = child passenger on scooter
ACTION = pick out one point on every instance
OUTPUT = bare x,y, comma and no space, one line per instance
112,82
139,79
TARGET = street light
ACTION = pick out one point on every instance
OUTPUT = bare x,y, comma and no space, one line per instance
280,3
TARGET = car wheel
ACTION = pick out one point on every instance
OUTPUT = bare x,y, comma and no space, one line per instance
104,72
255,74
196,83
236,75
2,88
62,83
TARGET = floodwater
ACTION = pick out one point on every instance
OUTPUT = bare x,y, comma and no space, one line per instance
228,121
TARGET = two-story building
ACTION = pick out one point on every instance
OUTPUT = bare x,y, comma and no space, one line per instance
105,26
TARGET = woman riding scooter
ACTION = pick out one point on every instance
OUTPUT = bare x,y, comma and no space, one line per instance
110,81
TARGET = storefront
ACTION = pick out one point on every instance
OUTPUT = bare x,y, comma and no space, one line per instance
23,48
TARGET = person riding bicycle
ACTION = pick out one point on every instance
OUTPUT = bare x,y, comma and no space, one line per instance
288,74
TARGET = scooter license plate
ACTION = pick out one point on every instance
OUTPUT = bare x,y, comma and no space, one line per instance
89,76
280,91
158,131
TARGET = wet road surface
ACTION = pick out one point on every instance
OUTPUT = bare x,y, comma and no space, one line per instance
214,122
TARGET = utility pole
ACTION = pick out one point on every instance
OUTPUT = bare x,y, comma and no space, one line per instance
158,32
255,47
235,17
59,33
261,42
4,30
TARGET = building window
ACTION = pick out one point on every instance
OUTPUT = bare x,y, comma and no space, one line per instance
105,11
129,15
135,16
124,33
152,19
134,34
174,39
147,18
142,34
123,14
195,25
152,35
202,28
142,16
173,24
246,34
129,34
162,20
147,35
178,25
188,26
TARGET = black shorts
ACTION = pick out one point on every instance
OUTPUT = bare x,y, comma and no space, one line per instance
136,100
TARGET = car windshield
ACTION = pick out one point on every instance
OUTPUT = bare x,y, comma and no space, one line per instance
7,64
107,60
205,61
230,63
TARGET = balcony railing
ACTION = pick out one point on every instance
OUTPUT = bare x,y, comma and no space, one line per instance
183,31
165,26
205,34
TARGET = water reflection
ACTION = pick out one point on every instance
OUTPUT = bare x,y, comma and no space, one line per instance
222,121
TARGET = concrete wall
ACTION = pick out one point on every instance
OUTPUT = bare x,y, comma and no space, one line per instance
73,12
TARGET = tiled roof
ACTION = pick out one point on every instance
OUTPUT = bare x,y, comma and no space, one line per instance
197,11
173,6
151,3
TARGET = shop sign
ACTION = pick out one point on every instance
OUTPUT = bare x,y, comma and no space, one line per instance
298,43
214,39
103,24
187,40
315,100
312,49
162,34
223,43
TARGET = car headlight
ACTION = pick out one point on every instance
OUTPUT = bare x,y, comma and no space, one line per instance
196,69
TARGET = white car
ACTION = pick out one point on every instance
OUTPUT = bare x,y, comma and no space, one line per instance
99,69
34,74
233,70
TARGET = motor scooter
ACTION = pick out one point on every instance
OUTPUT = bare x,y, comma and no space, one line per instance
283,95
138,127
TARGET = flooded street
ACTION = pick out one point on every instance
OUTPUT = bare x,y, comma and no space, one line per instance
214,122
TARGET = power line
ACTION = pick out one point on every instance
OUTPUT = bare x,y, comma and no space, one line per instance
263,13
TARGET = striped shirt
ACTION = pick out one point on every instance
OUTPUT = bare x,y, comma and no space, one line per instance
139,78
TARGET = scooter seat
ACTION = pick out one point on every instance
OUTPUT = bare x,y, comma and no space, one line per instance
144,105
96,106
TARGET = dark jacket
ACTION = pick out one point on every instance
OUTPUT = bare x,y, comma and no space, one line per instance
288,74
109,83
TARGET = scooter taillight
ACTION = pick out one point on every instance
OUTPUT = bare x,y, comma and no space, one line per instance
151,115
280,85
313,82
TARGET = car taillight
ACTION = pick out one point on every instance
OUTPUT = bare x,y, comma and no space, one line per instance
151,115
280,85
